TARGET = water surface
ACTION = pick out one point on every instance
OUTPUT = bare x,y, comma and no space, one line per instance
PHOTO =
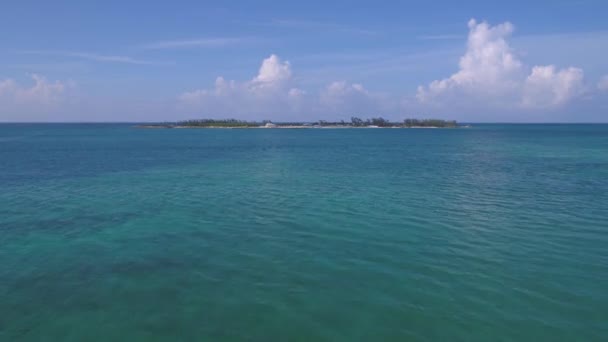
112,233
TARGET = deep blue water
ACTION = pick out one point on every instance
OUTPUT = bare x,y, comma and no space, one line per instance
491,233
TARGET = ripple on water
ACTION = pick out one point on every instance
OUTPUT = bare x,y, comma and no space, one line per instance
477,234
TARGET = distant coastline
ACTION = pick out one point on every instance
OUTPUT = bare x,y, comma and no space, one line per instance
353,123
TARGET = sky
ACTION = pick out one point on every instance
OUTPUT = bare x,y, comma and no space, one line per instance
150,61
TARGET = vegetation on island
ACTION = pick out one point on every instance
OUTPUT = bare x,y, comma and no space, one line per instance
430,123
354,122
381,122
228,123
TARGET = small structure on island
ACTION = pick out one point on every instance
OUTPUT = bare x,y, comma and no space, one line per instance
270,125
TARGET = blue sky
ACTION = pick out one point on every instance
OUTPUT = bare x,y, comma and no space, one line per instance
517,61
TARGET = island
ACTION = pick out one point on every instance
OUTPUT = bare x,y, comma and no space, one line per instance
354,122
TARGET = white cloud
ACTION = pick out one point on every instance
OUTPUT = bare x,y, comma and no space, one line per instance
340,94
274,78
273,73
41,97
603,84
273,94
269,94
296,93
546,87
41,92
343,100
491,74
488,67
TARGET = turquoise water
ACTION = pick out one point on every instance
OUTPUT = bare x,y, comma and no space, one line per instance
493,233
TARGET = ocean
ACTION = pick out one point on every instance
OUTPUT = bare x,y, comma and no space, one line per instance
490,233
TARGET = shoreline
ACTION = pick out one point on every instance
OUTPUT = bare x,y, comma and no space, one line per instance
290,127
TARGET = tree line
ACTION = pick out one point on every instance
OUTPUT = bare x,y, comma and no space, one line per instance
354,122
381,122
217,123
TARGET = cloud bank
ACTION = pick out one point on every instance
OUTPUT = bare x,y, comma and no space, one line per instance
491,75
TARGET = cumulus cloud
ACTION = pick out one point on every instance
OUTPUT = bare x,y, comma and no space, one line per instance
546,86
273,72
41,97
270,92
273,94
41,92
490,73
342,91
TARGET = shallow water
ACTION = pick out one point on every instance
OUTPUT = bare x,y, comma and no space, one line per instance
497,232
